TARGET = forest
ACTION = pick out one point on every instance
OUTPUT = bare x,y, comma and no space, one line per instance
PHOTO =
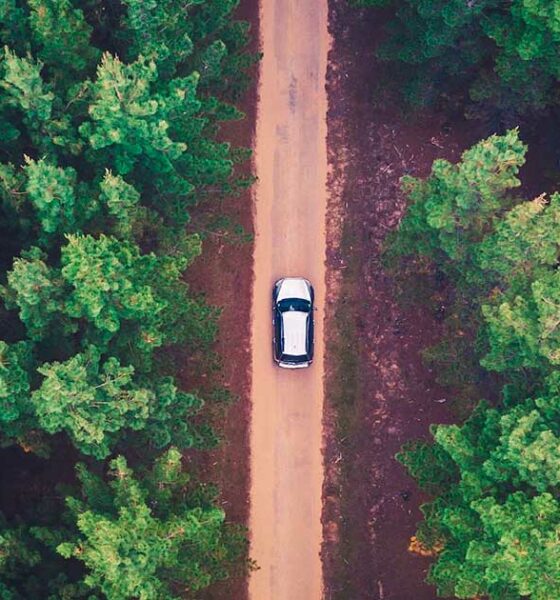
109,116
112,171
489,255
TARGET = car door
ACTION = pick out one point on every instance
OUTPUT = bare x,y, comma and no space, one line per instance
277,328
310,334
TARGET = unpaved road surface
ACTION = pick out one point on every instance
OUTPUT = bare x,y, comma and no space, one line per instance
286,434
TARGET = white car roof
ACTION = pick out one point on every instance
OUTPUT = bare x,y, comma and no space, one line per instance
294,287
295,332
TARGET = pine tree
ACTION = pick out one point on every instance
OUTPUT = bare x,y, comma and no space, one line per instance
495,517
456,206
109,128
156,537
497,60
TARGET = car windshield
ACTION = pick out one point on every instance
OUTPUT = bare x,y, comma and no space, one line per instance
294,304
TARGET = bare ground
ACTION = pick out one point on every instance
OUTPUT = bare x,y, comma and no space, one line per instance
379,393
224,273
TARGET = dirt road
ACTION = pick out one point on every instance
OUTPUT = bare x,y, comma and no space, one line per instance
291,164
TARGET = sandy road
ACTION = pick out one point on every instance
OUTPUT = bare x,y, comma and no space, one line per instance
286,436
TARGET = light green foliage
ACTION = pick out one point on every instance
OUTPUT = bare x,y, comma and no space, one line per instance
521,257
34,288
136,300
496,541
60,205
457,204
110,285
121,201
148,538
109,132
524,330
120,302
495,521
510,552
90,400
528,447
525,242
499,252
94,400
526,534
25,89
130,119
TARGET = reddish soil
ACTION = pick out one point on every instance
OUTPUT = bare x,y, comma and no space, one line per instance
224,274
371,505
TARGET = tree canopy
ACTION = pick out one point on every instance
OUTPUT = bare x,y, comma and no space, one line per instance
152,538
109,123
494,522
494,58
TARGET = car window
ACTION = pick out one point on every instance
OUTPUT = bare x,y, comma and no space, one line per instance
294,304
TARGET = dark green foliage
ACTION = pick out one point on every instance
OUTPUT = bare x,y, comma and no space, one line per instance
494,524
429,464
15,410
17,556
61,37
29,569
200,36
95,402
500,57
109,123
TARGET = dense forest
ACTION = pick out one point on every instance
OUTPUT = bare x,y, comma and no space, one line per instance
109,120
495,522
491,59
490,255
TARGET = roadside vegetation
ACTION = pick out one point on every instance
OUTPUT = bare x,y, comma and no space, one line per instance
495,521
492,526
110,113
492,60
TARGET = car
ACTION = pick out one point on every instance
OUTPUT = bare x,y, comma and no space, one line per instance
292,322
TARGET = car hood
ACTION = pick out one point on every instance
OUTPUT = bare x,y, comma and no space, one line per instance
294,287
